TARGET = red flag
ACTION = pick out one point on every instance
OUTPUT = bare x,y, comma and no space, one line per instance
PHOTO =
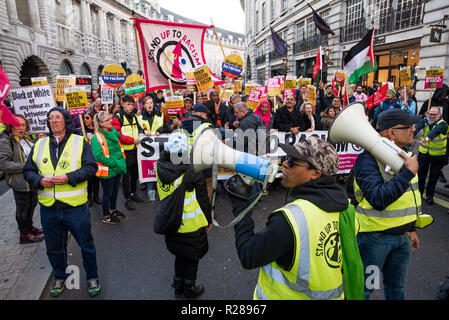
334,88
6,115
379,96
318,63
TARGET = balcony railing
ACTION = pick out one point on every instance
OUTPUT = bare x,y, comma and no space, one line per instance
260,59
310,43
402,17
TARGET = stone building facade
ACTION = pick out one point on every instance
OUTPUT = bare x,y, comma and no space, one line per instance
61,37
402,36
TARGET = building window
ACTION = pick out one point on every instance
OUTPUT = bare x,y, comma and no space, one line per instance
23,12
262,25
354,11
272,9
256,24
283,5
85,70
65,69
300,31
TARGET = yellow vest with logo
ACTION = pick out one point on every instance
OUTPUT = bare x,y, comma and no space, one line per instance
436,146
158,122
130,130
403,211
193,217
69,161
316,269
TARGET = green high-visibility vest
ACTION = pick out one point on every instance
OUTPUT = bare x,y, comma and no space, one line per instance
436,146
69,161
316,270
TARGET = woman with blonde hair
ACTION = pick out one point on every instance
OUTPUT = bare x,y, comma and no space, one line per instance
110,157
309,118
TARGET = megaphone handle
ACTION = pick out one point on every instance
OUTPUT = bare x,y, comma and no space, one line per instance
244,212
214,191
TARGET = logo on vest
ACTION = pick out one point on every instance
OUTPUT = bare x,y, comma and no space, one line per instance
64,164
164,187
329,245
44,160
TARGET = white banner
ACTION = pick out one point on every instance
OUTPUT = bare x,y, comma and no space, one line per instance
149,150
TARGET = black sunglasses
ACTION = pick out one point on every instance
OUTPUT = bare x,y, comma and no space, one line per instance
292,161
404,128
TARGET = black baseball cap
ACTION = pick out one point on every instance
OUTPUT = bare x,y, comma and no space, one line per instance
199,107
390,118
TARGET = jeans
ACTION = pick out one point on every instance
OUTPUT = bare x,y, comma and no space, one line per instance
110,191
434,164
391,254
56,222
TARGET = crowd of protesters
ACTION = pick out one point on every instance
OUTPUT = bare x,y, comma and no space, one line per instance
112,134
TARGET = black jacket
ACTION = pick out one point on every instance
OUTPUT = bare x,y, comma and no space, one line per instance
250,121
306,124
325,101
276,241
193,245
284,119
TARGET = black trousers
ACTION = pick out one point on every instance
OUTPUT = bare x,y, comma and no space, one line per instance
130,179
431,165
26,202
186,268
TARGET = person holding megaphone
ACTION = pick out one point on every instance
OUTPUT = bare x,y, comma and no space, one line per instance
305,244
388,205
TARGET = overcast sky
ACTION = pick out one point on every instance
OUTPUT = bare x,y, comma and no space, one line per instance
226,14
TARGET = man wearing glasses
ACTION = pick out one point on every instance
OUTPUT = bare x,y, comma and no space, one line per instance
59,168
388,206
432,150
288,118
299,252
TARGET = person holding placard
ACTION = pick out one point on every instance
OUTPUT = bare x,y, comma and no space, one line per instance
406,103
15,147
127,124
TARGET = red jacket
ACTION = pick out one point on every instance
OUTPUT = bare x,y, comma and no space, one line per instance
123,139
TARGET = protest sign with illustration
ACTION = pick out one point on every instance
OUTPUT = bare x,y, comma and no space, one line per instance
274,87
34,103
203,78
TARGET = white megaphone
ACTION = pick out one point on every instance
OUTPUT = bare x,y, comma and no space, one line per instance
351,125
209,150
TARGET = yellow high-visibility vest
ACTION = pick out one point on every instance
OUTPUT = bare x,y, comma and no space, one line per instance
316,268
130,130
436,146
69,161
404,210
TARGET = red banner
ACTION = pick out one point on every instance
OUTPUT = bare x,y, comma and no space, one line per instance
379,96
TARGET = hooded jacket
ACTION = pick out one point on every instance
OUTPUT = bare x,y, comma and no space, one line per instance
192,245
439,99
12,161
276,241
88,164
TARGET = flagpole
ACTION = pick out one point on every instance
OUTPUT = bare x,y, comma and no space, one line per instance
218,38
137,42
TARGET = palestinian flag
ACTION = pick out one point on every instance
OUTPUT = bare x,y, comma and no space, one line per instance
318,63
360,59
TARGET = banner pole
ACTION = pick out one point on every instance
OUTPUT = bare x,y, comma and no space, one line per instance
218,38
82,125
171,87
137,42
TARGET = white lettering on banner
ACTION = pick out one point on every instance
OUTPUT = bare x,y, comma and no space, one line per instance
149,149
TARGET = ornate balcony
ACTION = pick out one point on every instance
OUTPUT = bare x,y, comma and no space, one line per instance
310,43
